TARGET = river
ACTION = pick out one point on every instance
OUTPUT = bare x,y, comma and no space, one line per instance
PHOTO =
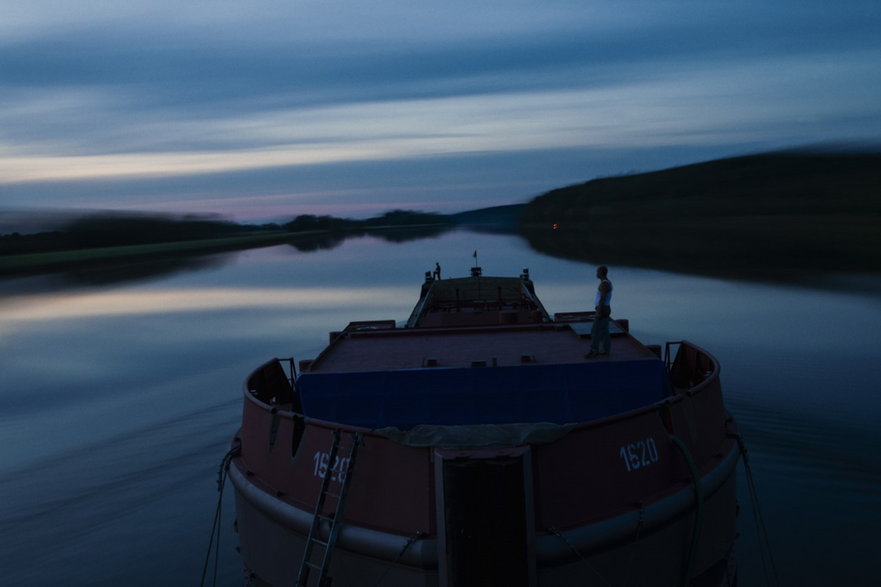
119,398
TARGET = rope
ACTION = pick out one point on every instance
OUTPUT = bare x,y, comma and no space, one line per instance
768,567
639,522
556,533
699,504
214,539
410,541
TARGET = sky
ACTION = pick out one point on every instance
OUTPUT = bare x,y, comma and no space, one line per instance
263,110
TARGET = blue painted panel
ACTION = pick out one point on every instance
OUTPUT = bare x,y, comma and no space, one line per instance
483,395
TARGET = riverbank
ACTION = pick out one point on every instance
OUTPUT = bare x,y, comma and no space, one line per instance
799,217
34,263
103,241
127,262
784,217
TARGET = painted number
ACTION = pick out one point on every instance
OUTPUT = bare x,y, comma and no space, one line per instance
337,471
639,454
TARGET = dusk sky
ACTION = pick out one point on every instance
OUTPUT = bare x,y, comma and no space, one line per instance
263,110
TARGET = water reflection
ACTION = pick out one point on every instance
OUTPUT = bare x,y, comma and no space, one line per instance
724,260
120,400
51,307
397,235
141,270
318,243
699,250
105,272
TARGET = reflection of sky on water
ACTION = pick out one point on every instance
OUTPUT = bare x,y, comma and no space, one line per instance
132,303
764,335
805,350
141,382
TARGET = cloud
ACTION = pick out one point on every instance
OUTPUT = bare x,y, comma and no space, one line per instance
162,93
737,103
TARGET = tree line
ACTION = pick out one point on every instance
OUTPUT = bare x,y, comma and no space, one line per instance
114,230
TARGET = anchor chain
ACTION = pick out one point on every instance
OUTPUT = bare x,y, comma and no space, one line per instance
214,539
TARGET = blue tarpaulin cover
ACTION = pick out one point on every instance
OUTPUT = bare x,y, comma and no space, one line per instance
562,393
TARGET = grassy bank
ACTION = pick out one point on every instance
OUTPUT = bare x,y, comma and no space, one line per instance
59,260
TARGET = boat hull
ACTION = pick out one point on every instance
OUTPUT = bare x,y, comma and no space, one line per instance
480,446
650,545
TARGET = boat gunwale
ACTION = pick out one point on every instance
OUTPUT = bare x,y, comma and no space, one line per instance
677,397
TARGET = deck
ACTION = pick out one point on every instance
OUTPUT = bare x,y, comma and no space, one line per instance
362,349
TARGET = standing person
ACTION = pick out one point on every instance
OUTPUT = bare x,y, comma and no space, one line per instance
600,341
437,271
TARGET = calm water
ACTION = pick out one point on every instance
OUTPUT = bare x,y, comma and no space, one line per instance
118,400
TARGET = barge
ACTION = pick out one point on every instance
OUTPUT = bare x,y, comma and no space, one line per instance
478,444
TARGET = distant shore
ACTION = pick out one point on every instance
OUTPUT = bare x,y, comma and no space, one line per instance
113,239
782,217
31,263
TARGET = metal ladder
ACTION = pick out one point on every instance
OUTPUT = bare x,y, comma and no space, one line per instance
334,471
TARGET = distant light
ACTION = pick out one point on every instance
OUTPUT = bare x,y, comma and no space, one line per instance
556,226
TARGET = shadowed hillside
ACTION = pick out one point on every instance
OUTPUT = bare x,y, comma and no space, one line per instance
496,220
782,216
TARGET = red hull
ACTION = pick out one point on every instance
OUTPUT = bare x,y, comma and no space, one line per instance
581,497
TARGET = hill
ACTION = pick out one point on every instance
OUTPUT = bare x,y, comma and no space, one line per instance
497,219
790,216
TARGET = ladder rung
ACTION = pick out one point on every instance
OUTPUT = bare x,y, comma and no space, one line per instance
348,452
